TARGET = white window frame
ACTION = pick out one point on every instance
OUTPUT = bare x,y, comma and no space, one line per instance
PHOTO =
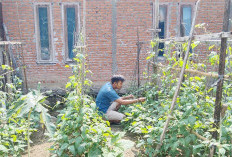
65,40
37,32
167,33
192,4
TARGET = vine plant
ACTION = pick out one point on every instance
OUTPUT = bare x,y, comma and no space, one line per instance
81,131
190,130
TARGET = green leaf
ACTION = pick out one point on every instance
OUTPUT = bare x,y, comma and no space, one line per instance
6,67
222,151
3,148
72,149
64,146
149,141
81,148
14,138
78,141
115,138
191,119
49,125
195,44
68,85
133,123
212,46
25,110
18,105
94,151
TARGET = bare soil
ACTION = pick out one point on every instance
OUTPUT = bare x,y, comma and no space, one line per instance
40,150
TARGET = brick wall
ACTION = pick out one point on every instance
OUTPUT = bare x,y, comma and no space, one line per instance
132,17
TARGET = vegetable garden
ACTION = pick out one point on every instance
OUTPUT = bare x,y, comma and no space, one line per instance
187,130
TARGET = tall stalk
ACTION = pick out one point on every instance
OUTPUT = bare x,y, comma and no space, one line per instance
28,132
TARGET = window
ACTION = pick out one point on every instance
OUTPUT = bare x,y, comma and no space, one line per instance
71,28
163,25
43,33
185,20
230,20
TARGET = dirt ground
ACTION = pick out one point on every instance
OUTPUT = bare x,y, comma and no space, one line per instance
41,149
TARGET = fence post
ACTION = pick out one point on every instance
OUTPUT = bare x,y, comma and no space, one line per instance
221,72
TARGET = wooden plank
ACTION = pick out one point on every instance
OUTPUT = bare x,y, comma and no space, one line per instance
10,43
154,30
221,72
179,82
204,37
192,71
213,37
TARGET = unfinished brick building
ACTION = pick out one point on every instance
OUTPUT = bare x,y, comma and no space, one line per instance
47,28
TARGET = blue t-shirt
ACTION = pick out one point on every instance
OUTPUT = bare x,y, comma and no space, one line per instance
105,97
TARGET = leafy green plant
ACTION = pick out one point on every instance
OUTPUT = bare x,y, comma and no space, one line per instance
81,131
190,129
25,105
17,119
12,135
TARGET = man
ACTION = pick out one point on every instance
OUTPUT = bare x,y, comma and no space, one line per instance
108,101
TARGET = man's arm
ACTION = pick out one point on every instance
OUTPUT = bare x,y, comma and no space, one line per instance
128,97
127,102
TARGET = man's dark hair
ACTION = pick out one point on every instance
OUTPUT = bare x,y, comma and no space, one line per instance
117,78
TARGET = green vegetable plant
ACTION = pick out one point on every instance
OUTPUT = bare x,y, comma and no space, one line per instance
16,119
25,105
81,131
12,135
190,130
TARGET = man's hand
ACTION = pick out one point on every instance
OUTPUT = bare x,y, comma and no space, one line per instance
142,99
131,96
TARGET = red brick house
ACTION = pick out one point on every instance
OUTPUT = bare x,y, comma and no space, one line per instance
112,27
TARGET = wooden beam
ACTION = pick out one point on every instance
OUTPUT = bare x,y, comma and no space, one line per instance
221,72
214,37
10,43
192,71
204,37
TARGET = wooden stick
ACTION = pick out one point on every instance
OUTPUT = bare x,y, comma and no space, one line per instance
138,57
179,82
221,72
198,135
192,71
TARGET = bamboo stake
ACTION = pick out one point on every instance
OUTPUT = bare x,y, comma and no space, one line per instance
138,56
24,66
84,48
179,82
221,72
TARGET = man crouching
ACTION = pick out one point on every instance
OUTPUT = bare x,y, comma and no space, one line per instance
108,101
